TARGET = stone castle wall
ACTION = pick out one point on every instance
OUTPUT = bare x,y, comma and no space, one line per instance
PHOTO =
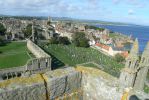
36,50
42,61
81,83
59,84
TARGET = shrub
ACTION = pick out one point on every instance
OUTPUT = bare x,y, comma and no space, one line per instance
2,29
119,58
63,40
80,40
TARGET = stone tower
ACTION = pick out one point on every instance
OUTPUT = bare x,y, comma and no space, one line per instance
49,19
143,69
33,31
128,74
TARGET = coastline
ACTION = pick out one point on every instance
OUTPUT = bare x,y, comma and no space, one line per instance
140,32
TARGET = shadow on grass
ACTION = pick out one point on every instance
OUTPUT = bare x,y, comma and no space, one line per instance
56,63
4,43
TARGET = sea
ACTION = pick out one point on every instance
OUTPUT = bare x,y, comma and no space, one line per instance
136,31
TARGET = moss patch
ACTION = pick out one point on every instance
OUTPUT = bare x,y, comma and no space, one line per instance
21,81
95,72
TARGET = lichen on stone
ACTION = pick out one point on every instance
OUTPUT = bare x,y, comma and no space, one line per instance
95,72
21,81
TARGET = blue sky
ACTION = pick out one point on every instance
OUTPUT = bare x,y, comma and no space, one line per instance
129,11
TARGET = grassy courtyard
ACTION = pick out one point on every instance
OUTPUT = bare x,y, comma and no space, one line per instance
71,55
13,54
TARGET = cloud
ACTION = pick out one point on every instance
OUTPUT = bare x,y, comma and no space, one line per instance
84,9
93,1
116,1
131,12
34,7
136,3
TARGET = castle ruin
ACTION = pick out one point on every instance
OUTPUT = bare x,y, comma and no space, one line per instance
136,68
38,82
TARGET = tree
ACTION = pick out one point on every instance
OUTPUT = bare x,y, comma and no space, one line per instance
2,41
64,40
2,29
59,40
84,43
80,40
94,27
28,30
49,23
119,58
53,40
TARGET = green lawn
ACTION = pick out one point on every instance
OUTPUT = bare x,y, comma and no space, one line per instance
71,55
13,54
114,35
146,89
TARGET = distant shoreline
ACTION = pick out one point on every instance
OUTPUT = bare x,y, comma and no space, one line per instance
114,25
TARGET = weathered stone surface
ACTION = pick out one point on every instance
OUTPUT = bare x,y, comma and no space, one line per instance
98,85
62,81
36,50
141,95
82,83
25,88
34,92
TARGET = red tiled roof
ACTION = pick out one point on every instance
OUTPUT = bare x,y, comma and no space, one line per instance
125,54
103,46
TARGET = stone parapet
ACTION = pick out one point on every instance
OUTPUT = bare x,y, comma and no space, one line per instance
61,83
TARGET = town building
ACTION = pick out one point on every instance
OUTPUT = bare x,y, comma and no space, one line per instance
109,50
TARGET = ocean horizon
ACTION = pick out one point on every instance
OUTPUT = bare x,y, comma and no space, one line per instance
136,31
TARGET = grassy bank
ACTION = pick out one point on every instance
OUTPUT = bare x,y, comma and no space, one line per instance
71,55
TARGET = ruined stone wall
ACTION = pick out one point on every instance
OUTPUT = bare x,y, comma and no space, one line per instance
36,50
11,72
43,61
36,65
